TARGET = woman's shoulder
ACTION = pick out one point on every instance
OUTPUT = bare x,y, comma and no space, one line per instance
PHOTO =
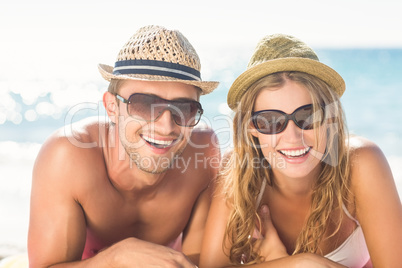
368,164
363,150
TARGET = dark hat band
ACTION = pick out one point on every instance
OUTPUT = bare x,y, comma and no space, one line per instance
154,67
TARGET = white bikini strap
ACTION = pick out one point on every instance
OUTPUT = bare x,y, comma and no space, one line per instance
348,214
261,193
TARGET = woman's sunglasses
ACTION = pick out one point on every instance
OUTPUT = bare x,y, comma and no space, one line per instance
275,121
149,108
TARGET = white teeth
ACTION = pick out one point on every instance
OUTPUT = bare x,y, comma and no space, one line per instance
159,142
295,153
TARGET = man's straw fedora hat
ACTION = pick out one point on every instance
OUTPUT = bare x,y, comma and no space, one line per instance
279,53
155,53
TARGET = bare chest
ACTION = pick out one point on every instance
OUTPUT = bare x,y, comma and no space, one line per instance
290,224
159,220
290,219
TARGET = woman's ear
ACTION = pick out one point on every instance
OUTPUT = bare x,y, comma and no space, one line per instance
110,104
251,129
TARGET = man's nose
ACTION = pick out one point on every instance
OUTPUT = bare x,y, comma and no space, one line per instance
165,122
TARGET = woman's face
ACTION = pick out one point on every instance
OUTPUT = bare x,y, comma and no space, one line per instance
294,152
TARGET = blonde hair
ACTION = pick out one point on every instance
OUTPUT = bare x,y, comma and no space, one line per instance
243,181
115,85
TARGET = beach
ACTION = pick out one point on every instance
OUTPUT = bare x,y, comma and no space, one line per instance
372,102
49,52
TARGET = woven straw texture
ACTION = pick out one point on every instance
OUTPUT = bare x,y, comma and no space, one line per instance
279,53
159,44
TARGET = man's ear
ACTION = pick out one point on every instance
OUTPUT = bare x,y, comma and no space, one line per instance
110,104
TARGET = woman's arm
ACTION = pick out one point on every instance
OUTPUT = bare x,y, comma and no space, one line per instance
378,207
212,252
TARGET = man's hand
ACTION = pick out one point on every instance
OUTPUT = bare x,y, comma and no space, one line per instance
272,248
267,241
133,252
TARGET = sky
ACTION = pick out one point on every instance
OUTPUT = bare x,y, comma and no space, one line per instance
48,39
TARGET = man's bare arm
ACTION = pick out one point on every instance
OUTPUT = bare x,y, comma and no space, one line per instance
57,228
194,232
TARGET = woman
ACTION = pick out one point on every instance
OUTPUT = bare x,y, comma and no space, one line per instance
296,190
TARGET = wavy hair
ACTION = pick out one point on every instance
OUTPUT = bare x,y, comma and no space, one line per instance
246,168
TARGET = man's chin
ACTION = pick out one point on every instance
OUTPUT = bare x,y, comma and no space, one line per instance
154,164
155,170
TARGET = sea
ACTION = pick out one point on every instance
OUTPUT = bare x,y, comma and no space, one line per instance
31,109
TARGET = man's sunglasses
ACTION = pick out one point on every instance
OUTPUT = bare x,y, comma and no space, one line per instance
275,121
149,108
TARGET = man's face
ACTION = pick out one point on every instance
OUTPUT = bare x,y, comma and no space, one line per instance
152,146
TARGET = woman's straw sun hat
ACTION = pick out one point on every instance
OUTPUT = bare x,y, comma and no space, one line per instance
279,53
155,53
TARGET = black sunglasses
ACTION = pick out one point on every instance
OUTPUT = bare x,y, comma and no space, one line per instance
149,108
275,121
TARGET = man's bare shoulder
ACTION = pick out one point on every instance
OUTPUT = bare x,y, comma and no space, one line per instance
87,133
83,134
203,149
204,139
71,149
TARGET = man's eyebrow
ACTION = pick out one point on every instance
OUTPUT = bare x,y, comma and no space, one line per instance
180,99
183,99
175,99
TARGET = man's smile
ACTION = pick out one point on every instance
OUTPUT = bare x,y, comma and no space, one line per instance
158,143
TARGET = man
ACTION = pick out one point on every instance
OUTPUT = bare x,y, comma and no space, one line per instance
133,191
